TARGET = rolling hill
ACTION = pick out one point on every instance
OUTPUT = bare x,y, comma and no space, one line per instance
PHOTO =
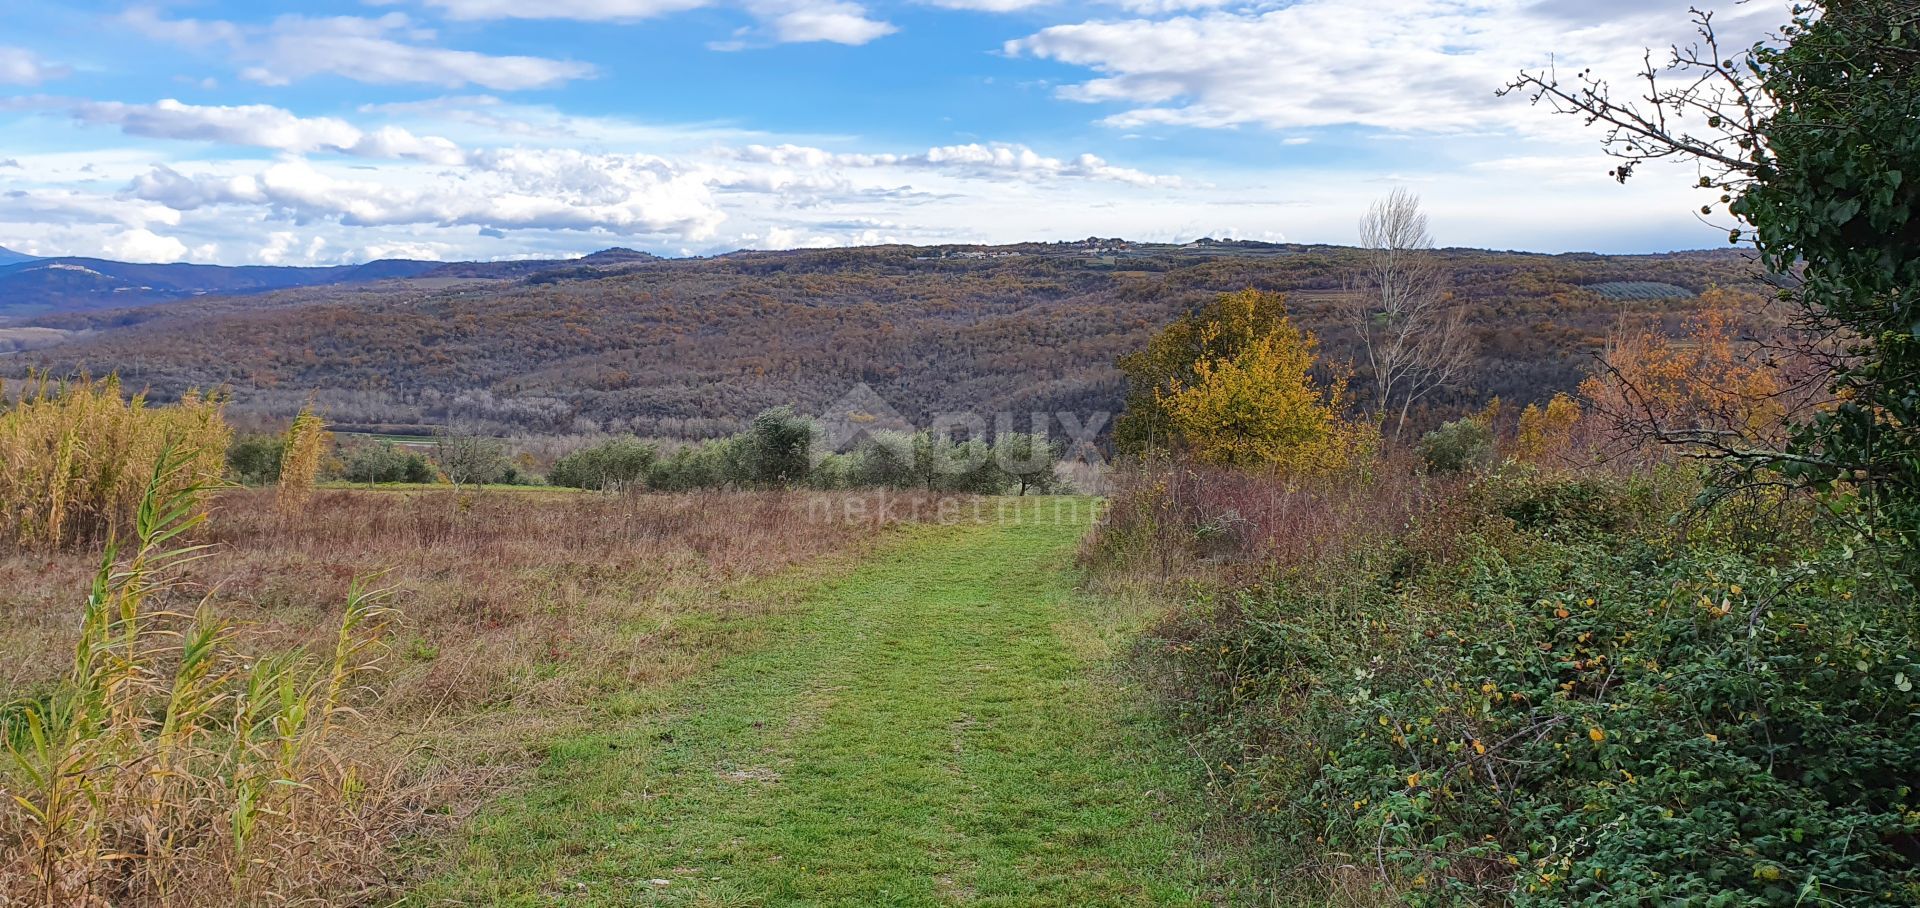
691,347
30,286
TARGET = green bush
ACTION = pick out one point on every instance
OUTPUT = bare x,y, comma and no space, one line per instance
617,464
776,449
884,460
254,458
381,462
1535,712
1458,447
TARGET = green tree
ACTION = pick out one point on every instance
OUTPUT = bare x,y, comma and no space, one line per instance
1028,459
471,459
616,464
885,460
776,449
254,458
381,462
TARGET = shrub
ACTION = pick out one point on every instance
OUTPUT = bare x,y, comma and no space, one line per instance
1028,460
617,464
376,462
1501,703
1261,406
775,450
75,457
254,459
704,466
885,460
471,459
168,764
1461,446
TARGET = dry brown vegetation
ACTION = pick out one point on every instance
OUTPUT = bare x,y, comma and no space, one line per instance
513,614
76,456
694,348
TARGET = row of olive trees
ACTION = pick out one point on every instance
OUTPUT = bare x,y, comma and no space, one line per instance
778,450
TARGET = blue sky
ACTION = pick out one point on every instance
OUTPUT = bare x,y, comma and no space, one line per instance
318,132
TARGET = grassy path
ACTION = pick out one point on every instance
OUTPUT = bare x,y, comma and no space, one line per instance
921,731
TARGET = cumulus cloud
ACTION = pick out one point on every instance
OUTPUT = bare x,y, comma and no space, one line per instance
506,190
72,206
837,21
142,245
1404,65
264,126
386,50
19,66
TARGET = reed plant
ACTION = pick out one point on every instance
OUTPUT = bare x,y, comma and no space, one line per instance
75,458
300,461
167,768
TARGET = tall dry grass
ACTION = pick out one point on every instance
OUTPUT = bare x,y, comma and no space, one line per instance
166,766
75,458
515,616
300,460
1179,522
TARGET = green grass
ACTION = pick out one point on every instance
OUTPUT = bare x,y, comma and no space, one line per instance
933,727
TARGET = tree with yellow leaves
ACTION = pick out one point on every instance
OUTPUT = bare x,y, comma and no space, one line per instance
1546,432
1220,330
1260,405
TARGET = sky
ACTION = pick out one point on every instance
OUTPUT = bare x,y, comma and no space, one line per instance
337,131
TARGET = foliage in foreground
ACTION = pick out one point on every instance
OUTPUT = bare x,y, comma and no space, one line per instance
75,458
1538,691
168,769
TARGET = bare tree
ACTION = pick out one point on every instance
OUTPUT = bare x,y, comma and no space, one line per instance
1411,330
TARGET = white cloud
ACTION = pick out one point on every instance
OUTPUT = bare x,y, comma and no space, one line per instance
73,206
989,6
505,190
142,245
998,158
264,126
581,10
1162,7
1405,65
838,21
386,50
19,66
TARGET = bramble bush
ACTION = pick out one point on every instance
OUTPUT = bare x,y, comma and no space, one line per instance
1545,690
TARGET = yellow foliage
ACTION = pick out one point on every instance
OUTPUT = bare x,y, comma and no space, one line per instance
75,458
1546,431
300,460
1260,406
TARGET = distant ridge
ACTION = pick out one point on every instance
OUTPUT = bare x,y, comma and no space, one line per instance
30,286
10,257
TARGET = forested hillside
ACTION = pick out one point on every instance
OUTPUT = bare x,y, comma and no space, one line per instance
694,347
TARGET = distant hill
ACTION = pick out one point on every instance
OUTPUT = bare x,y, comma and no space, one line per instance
35,286
47,286
691,347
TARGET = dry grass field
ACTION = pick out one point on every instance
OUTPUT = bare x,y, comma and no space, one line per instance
513,618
